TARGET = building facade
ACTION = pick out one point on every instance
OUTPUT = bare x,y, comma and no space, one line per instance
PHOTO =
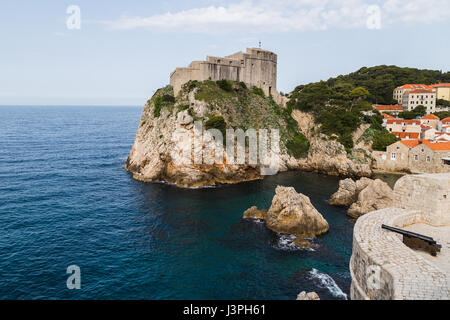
415,156
256,67
442,91
400,91
401,125
419,97
431,121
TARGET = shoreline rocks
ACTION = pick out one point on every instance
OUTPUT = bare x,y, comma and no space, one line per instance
291,213
254,213
307,296
362,196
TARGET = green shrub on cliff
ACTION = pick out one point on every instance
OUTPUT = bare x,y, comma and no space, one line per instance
382,139
216,122
259,92
225,85
162,97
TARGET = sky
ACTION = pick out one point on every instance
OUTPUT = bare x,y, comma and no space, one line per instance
120,52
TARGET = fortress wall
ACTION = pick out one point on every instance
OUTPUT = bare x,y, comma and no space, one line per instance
256,67
381,266
427,193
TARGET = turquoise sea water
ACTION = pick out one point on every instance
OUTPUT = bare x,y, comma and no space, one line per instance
66,199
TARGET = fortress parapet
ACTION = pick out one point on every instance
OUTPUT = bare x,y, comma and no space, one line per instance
382,267
256,67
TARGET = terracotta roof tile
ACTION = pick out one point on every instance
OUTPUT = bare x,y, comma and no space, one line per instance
389,108
409,135
430,117
437,146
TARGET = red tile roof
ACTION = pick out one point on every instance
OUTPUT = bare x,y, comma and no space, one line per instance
422,91
441,85
389,108
445,120
437,146
409,135
410,143
414,86
387,116
401,121
430,117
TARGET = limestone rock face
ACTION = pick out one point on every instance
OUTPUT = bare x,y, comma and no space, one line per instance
307,296
345,195
375,196
348,191
293,213
362,196
254,213
327,155
167,127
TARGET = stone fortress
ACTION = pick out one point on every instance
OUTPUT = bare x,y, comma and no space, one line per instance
256,67
382,267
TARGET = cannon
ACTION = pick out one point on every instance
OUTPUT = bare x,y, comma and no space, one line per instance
416,241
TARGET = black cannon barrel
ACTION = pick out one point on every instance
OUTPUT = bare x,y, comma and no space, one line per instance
409,234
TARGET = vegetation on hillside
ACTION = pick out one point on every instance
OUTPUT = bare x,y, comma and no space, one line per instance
232,105
338,103
382,80
442,114
418,111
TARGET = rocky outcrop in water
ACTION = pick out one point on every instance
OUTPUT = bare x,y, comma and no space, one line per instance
348,191
254,213
291,213
307,296
362,196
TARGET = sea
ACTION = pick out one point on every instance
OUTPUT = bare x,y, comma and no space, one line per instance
66,200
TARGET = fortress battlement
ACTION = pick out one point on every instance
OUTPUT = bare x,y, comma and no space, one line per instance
255,67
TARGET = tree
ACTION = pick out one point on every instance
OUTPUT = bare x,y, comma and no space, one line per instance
382,139
418,111
359,93
442,102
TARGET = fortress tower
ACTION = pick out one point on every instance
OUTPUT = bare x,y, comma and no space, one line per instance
256,67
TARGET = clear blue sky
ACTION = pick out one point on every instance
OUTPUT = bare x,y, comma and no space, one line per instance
125,50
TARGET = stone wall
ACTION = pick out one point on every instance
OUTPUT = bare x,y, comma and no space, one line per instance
420,159
381,266
256,67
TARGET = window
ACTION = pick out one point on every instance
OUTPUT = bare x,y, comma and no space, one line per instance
393,156
428,159
416,157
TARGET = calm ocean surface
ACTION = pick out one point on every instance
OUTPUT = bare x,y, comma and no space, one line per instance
66,199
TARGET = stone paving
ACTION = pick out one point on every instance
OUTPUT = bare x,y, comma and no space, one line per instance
382,267
402,272
442,237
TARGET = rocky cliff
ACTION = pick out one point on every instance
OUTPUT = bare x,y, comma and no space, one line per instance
159,151
328,156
